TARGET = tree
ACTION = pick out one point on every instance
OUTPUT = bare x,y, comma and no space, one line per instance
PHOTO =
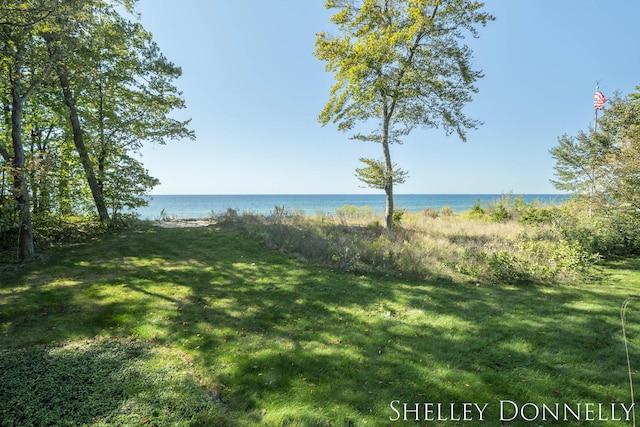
129,183
79,141
581,163
603,166
23,67
78,76
126,93
63,41
402,64
603,169
375,174
621,123
128,102
118,90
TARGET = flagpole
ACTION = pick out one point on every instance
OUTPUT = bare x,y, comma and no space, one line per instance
595,122
598,104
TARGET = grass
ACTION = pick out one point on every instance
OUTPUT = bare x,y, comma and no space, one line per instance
204,326
101,382
458,247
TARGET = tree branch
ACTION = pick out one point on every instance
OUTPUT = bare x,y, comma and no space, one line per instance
412,51
36,82
5,153
35,20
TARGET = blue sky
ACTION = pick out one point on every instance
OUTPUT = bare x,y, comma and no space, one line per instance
254,90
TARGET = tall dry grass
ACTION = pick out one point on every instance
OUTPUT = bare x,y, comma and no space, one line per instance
425,245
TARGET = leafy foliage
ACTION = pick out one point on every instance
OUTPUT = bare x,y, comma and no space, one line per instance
581,163
83,89
128,185
602,170
376,175
403,65
403,56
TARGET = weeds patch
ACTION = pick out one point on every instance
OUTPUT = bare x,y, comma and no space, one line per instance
426,245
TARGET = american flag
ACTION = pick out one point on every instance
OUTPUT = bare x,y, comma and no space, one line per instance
599,100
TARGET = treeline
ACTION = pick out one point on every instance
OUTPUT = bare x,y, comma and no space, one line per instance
82,88
601,167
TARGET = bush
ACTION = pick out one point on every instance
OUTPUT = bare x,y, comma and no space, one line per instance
430,213
446,211
9,218
279,211
500,213
607,233
397,217
477,211
505,267
374,225
538,215
604,238
52,230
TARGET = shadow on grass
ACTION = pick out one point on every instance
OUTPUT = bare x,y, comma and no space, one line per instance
283,343
100,383
632,264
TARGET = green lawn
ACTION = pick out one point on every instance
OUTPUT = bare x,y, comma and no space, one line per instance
202,326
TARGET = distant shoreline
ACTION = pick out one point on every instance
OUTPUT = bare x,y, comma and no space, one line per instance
358,194
193,206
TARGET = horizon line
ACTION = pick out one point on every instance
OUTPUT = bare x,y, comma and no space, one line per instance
360,194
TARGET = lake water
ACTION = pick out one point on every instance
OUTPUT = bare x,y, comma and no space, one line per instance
203,206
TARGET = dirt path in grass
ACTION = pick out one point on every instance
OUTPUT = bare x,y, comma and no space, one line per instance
184,223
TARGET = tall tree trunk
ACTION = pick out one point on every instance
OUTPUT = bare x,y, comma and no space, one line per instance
32,173
20,190
25,233
64,181
42,180
78,140
388,186
102,154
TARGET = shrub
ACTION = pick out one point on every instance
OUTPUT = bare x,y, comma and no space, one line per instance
430,213
506,267
500,213
9,219
538,215
446,211
279,211
610,233
51,230
477,211
397,217
374,225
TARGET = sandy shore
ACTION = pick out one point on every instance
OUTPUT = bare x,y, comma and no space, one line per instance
184,223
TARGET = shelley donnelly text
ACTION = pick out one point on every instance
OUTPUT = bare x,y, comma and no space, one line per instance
510,411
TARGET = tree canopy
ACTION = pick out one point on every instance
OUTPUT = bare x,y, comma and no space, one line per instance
602,169
82,88
402,64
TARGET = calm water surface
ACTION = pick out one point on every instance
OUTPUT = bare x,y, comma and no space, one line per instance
203,206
